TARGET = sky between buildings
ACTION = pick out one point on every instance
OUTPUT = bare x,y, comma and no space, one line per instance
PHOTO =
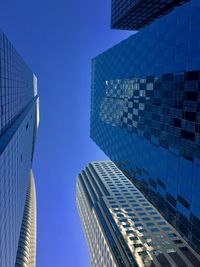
57,39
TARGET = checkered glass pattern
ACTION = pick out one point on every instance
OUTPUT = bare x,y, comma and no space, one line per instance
152,133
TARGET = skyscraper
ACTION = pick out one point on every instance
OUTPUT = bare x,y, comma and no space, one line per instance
145,114
19,119
135,14
122,228
26,252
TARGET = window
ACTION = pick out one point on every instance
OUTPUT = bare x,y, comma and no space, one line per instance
133,238
146,218
138,224
161,223
125,206
142,214
138,245
150,224
131,201
153,230
166,229
117,210
149,208
156,218
131,214
135,219
152,213
128,210
128,232
142,230
126,225
122,201
172,235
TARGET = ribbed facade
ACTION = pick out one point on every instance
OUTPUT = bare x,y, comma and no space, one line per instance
145,114
122,228
19,119
27,243
136,14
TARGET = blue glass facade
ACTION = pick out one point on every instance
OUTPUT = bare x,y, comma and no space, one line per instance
18,124
135,14
16,83
145,114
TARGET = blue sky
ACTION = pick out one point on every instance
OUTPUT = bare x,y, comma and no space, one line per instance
57,39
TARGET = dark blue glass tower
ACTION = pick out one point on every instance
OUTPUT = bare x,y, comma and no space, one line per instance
145,114
19,120
135,14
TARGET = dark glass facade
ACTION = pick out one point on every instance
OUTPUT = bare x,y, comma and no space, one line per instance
135,14
18,125
145,114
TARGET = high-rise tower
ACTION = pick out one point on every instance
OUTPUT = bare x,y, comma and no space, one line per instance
145,114
135,14
122,228
19,119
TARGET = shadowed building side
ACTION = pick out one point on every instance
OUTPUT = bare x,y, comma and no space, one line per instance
136,14
26,253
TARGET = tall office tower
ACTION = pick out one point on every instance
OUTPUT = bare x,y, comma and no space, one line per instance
19,118
27,243
145,114
135,14
122,228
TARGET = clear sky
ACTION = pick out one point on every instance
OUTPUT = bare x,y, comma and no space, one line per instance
57,39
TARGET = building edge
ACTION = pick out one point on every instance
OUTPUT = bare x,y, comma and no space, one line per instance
26,253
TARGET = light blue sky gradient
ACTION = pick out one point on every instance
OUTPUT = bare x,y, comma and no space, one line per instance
57,39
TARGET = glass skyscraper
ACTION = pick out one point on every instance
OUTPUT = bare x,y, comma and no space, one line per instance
26,252
145,114
19,119
122,228
135,14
